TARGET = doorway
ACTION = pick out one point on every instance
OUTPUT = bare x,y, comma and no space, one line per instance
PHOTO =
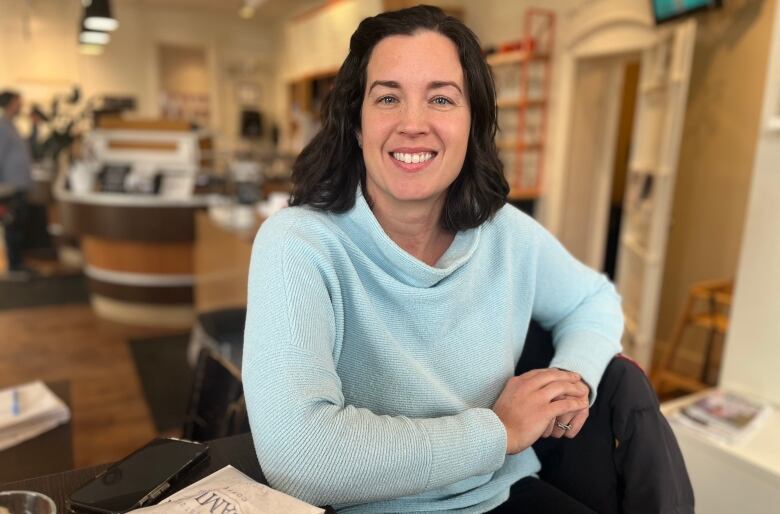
601,132
620,164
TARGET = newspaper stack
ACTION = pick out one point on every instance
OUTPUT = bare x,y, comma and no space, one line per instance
724,416
27,411
228,491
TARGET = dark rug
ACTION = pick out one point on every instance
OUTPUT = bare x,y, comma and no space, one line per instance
42,291
166,377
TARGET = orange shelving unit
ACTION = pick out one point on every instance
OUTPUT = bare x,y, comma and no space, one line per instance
522,71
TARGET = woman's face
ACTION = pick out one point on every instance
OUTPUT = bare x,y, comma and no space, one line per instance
415,120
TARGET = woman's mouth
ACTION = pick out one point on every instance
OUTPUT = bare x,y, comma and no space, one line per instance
412,161
413,158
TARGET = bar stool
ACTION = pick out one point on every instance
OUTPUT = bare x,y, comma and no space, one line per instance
707,308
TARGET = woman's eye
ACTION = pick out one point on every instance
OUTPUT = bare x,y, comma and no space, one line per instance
440,100
386,100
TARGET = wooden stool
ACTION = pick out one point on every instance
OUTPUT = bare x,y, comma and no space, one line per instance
707,308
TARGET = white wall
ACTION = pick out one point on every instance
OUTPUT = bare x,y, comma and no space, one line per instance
314,42
752,355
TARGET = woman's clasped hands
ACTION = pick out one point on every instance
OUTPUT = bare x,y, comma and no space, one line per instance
542,403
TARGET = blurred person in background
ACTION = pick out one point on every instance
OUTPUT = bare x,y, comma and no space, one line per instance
15,179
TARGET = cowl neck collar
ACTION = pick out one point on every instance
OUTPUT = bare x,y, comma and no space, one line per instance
364,230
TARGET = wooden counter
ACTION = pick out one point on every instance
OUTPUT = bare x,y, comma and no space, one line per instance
138,254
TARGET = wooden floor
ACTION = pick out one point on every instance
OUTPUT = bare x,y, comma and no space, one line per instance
110,416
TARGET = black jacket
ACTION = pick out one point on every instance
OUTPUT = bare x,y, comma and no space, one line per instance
626,458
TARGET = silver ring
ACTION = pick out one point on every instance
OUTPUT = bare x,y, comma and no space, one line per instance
562,426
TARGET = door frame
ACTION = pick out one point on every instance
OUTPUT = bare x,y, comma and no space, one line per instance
602,168
614,33
606,34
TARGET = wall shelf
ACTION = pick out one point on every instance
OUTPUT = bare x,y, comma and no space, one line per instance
521,71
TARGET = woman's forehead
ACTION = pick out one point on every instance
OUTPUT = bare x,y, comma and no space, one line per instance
421,57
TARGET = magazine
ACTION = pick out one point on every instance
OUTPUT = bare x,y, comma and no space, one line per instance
725,416
228,491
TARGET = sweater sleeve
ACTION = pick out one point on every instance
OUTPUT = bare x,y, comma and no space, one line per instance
312,444
581,307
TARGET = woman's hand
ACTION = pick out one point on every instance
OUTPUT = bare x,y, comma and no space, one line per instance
529,401
574,419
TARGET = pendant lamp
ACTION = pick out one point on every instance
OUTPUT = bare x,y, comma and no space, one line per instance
97,15
92,37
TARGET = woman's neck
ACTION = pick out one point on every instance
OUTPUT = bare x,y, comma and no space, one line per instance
416,229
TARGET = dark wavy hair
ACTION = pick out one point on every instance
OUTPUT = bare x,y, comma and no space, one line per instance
330,168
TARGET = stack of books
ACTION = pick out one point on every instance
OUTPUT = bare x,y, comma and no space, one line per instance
724,416
27,411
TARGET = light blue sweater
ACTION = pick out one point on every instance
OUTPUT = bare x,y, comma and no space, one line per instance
369,376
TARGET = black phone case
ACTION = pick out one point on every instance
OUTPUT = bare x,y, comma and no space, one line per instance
156,493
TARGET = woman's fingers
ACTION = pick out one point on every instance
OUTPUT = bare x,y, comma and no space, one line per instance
567,405
546,376
554,390
550,426
577,423
564,419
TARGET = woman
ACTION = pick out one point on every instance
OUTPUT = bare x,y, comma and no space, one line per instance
388,307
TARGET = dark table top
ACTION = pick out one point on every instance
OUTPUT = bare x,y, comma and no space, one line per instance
238,451
50,452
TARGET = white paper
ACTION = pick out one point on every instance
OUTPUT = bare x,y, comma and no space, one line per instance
38,411
228,491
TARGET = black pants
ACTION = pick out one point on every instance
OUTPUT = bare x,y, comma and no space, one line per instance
14,223
624,460
531,495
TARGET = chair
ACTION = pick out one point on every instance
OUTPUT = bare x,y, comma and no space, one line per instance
221,330
216,407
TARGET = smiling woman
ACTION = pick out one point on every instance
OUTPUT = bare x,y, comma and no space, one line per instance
414,133
398,64
388,307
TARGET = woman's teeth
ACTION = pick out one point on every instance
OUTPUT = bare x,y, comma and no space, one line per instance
415,158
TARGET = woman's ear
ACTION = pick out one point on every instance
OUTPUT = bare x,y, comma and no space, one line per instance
359,138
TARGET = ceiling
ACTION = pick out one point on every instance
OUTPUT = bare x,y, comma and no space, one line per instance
270,9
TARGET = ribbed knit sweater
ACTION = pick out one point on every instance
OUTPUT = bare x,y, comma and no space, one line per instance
369,375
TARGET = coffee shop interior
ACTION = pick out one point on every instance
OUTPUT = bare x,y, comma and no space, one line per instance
645,135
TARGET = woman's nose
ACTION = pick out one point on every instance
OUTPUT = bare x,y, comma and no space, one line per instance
414,120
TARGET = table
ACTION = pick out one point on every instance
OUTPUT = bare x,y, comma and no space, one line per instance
742,478
221,259
238,451
50,452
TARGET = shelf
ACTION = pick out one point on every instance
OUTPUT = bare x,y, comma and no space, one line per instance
516,145
717,322
516,103
514,57
519,193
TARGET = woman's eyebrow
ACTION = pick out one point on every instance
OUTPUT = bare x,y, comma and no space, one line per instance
386,83
436,84
444,83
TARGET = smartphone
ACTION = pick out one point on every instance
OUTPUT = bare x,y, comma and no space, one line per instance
140,478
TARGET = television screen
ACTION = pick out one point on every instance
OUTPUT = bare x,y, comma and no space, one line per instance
666,10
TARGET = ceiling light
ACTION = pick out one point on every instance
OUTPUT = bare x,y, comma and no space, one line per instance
97,15
91,37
